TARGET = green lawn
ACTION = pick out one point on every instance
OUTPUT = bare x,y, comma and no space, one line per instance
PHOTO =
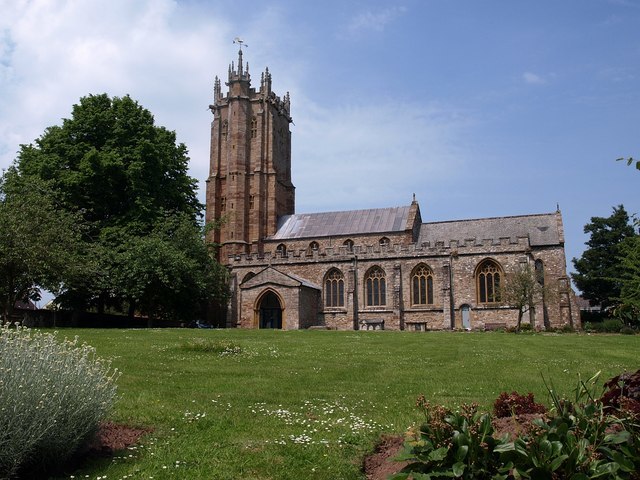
310,404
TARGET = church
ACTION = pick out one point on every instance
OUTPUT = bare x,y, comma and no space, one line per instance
382,268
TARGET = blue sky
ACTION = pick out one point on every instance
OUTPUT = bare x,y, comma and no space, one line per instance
481,109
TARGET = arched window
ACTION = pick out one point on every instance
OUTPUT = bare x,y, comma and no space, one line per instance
422,285
334,289
349,244
282,250
313,247
384,242
488,276
539,269
225,129
254,127
376,287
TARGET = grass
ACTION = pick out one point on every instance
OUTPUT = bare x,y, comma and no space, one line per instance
231,404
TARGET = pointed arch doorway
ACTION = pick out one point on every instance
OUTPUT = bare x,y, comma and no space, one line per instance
270,311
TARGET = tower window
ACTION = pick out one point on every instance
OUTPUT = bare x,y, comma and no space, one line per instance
282,250
251,201
384,242
225,129
254,127
223,204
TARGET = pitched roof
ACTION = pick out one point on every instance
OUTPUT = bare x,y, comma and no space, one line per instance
274,276
353,222
541,229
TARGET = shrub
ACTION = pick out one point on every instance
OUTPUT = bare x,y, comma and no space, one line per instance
509,404
611,325
622,393
52,396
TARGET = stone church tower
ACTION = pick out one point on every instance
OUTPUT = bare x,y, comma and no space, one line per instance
379,268
249,185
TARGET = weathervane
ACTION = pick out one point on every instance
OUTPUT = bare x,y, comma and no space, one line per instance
240,42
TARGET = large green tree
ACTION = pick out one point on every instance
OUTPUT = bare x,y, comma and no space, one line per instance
113,164
39,241
629,302
598,271
128,180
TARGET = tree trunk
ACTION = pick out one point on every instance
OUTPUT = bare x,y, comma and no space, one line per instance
520,313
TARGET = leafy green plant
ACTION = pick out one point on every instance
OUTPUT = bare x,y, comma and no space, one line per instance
53,395
451,443
578,439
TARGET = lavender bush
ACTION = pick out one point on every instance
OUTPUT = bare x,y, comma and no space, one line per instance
53,394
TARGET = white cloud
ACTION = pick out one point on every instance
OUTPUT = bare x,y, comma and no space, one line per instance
373,155
374,20
533,78
52,53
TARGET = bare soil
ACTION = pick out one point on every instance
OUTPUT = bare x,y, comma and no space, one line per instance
112,437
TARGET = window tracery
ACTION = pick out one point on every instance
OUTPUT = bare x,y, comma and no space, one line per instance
376,287
488,279
422,285
334,289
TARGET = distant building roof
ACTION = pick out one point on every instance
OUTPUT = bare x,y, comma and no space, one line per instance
541,229
353,222
24,305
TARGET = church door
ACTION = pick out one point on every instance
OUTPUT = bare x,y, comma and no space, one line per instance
465,310
270,311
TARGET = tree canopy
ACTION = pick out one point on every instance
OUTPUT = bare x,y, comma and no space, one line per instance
39,241
127,180
523,289
599,271
110,162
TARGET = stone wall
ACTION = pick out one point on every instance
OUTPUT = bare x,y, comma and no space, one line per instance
454,273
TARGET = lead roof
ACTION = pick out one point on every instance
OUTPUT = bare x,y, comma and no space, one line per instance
352,222
541,229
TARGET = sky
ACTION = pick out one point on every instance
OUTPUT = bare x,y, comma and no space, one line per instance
482,109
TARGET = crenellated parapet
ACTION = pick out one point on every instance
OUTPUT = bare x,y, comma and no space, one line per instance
320,253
